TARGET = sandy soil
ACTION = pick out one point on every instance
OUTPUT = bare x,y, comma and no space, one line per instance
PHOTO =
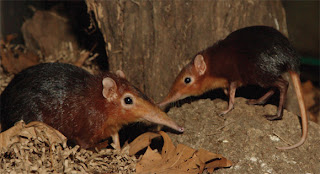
246,138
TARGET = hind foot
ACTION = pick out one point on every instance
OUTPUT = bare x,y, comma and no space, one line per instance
273,117
255,102
262,100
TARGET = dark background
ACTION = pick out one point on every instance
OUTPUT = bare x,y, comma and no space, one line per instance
302,24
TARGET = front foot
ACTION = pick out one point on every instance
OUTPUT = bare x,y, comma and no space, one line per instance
255,102
116,141
225,112
101,145
273,117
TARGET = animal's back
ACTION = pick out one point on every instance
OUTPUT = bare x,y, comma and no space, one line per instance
265,45
42,90
262,51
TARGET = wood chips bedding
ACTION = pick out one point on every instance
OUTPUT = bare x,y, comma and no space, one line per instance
32,151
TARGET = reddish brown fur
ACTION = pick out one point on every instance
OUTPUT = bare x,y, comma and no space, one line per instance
85,108
108,120
225,63
256,55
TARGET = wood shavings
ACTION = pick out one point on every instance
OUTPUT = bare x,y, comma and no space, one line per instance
37,155
15,58
64,56
4,79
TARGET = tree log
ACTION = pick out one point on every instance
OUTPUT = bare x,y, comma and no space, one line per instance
152,40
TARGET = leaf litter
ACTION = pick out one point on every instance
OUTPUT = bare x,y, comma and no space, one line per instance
179,159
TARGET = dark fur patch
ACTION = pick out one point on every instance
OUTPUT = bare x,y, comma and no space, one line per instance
252,55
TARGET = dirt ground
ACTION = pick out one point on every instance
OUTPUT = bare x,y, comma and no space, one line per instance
246,138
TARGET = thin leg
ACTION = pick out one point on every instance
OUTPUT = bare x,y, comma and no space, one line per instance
116,141
225,90
262,100
232,93
102,145
282,85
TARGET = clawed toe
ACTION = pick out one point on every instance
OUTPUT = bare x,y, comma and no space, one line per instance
222,113
225,112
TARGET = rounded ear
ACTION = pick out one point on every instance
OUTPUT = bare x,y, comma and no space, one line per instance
109,88
120,73
200,64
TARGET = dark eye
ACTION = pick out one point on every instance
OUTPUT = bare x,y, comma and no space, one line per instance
128,100
187,80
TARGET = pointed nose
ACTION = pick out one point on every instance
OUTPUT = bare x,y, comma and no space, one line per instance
163,103
169,99
159,117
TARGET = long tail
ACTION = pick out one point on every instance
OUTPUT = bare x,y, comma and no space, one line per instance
304,119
